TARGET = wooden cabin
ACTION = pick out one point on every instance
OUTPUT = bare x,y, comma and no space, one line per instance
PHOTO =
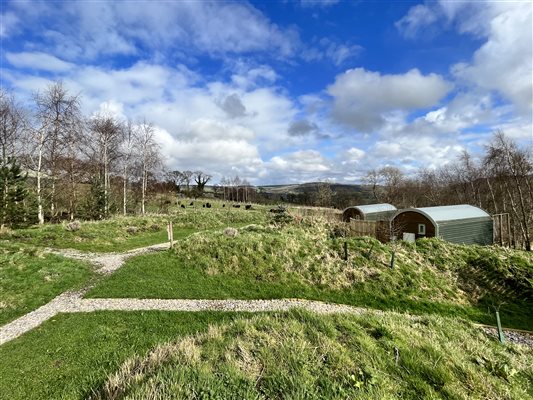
461,223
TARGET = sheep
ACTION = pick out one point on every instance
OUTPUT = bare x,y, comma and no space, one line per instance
248,206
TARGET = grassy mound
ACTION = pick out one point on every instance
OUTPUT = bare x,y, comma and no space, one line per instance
306,259
30,278
305,356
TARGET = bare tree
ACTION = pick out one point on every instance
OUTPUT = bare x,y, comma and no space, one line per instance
106,133
323,195
12,124
148,152
201,180
127,159
513,169
59,117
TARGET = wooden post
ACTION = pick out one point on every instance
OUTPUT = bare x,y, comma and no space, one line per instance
392,259
345,251
170,234
501,336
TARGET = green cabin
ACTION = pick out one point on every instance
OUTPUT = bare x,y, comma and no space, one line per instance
460,223
369,212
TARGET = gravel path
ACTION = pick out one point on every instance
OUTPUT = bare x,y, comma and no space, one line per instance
73,301
108,262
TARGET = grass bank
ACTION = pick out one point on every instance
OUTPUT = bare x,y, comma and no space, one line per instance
305,356
306,260
30,278
71,354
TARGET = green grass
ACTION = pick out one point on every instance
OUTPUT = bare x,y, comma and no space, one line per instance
126,233
305,262
30,278
304,356
68,356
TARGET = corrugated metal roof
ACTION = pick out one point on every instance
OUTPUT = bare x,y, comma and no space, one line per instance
450,213
375,208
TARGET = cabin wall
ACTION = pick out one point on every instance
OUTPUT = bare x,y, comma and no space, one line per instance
468,231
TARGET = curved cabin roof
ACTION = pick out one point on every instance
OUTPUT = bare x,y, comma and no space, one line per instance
449,213
373,208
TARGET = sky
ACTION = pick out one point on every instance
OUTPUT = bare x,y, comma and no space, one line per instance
286,91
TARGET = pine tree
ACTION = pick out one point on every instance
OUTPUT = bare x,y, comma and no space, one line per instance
95,207
13,191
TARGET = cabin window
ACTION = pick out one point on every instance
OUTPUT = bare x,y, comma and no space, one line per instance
421,229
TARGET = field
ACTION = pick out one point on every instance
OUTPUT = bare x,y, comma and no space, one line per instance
418,337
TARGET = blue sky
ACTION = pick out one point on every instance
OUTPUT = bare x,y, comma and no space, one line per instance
287,91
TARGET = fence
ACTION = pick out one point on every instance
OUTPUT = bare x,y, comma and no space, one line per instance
376,229
502,229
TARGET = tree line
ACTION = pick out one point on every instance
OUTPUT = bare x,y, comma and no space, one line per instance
57,163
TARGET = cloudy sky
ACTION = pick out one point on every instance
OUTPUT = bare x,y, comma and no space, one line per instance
288,91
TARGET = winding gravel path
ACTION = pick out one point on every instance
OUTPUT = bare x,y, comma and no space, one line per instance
73,301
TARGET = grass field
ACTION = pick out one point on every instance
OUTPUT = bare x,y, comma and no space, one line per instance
138,355
68,356
30,278
306,262
305,356
126,233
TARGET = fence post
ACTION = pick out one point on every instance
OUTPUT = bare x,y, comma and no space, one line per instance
345,250
392,259
501,336
170,234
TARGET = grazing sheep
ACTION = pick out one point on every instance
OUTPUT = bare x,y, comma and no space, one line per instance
223,205
192,203
203,205
208,205
248,206
182,206
237,205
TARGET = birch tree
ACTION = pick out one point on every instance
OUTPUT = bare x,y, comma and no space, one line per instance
59,117
127,160
106,132
148,153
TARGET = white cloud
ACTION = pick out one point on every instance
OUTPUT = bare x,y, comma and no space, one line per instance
504,63
362,98
8,24
127,28
298,166
418,18
38,61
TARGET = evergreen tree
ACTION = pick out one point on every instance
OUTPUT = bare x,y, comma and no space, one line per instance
95,207
13,191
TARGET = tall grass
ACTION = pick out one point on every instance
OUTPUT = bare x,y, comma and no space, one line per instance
305,356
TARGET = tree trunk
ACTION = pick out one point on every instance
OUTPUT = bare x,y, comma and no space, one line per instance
40,214
125,188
